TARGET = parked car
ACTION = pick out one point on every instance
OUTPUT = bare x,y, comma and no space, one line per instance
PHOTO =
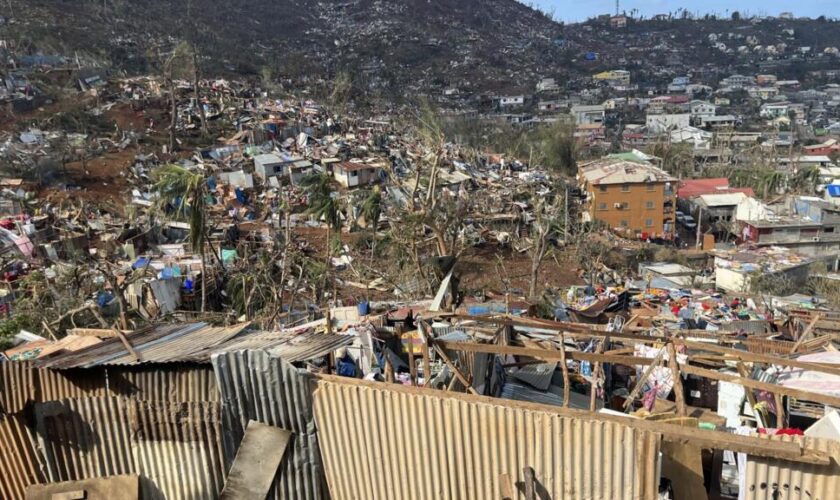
680,216
688,222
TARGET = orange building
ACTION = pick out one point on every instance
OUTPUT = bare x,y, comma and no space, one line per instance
633,198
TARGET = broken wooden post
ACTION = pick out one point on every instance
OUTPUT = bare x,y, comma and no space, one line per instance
412,365
597,373
805,333
641,382
530,483
679,393
565,369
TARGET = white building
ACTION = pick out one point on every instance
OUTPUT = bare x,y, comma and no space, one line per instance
588,115
665,122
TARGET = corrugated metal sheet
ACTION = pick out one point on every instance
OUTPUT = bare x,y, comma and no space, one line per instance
290,347
17,385
84,438
257,386
175,446
19,459
383,441
178,448
67,384
769,479
160,344
181,382
538,376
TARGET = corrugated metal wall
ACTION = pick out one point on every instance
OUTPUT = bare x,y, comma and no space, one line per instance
770,479
19,459
176,446
17,385
172,383
394,442
257,386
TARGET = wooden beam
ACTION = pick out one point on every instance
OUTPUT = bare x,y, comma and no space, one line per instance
460,376
530,483
543,354
760,358
597,372
506,487
412,365
675,375
805,333
128,345
641,382
764,386
567,383
742,370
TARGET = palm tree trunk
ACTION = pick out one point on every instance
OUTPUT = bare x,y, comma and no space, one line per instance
197,90
203,281
174,110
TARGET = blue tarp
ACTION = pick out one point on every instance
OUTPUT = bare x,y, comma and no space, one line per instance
833,190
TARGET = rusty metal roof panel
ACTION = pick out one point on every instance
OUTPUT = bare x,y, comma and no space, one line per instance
158,344
290,347
255,385
20,460
468,442
768,478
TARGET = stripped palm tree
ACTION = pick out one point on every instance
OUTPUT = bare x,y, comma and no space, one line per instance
371,210
324,205
772,181
185,193
807,179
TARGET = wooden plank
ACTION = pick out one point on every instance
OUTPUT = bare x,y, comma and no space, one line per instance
760,358
412,365
675,375
256,462
506,487
530,483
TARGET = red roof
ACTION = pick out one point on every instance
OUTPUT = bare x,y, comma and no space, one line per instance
693,188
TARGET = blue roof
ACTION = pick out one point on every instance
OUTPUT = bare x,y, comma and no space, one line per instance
833,190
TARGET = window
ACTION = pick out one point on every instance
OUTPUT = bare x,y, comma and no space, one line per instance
828,229
602,206
648,222
624,223
651,187
649,205
354,173
625,205
625,188
602,189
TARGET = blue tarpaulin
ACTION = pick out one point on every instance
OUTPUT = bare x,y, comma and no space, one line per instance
833,190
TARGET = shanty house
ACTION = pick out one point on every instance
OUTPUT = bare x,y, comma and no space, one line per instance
270,165
351,174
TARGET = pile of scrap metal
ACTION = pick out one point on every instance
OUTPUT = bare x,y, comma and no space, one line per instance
498,406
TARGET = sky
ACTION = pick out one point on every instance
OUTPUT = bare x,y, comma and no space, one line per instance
577,10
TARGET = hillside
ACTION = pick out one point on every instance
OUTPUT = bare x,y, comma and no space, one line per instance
400,47
401,42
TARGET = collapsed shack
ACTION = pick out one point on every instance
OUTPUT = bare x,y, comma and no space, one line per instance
507,410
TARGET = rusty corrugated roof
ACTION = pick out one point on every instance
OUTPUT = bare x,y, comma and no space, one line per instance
158,344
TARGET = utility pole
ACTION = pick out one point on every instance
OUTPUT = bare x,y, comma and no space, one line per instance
698,243
616,7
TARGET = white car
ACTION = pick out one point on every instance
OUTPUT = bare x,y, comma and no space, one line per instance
689,222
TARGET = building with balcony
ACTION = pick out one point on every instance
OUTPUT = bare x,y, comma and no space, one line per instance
634,198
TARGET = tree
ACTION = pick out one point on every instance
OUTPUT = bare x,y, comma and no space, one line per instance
806,179
323,204
736,16
371,210
545,229
176,65
185,193
772,181
557,147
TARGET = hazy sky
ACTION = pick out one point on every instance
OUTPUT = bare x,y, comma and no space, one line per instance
577,10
